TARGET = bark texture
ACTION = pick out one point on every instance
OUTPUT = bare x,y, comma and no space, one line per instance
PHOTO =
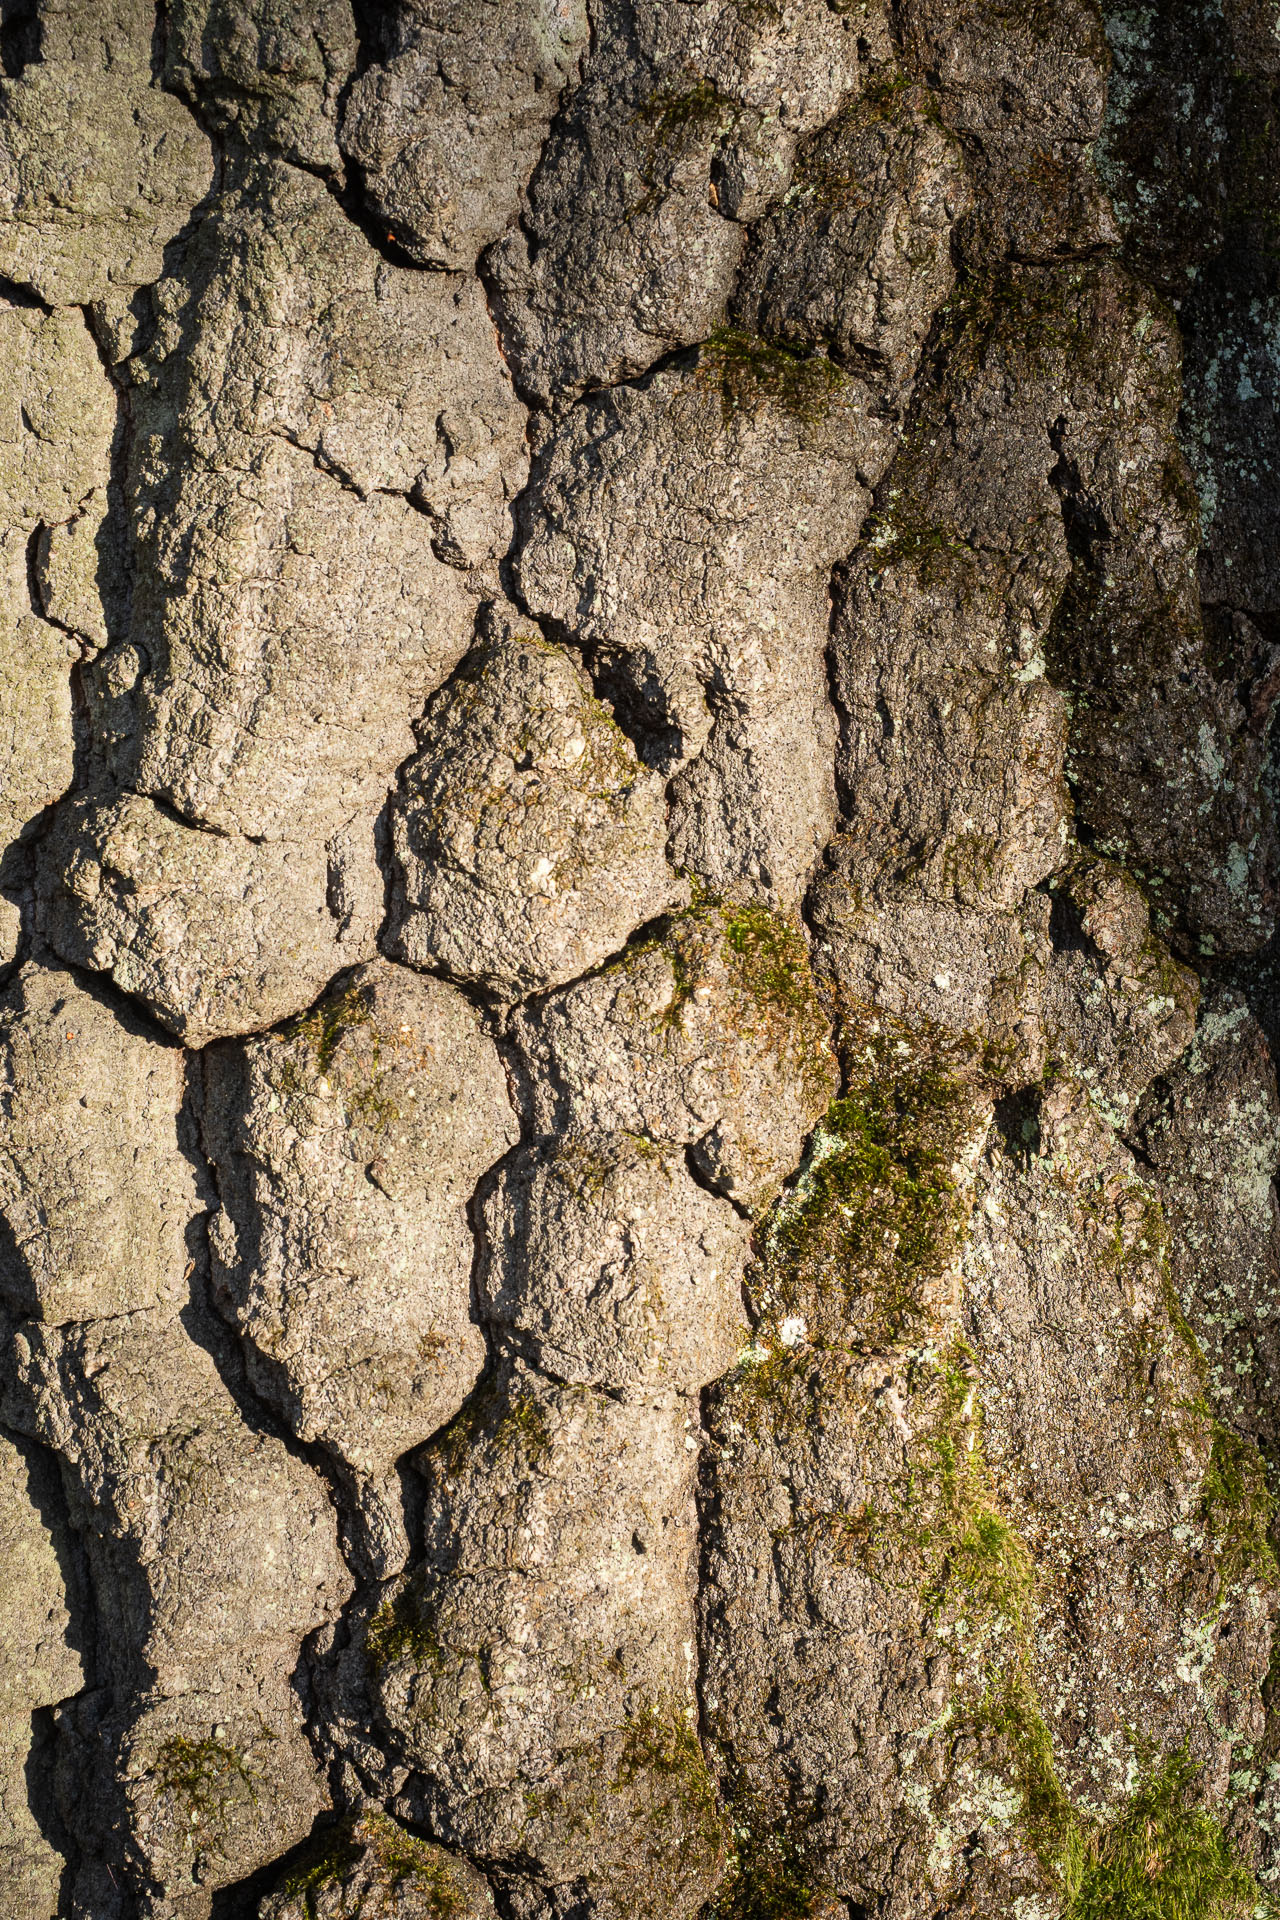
639,1246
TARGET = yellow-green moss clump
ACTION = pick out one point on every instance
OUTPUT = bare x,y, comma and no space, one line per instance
1237,1509
674,116
322,1031
1161,1855
872,1221
1163,1858
765,957
404,1628
371,1857
205,1776
768,1873
329,1857
662,1757
341,1038
931,1534
641,1806
768,961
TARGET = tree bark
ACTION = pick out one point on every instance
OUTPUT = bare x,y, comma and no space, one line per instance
639,1254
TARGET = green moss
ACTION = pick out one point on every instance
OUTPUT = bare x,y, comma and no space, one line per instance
825,174
401,1856
758,13
898,541
394,1856
1237,1508
322,1030
205,1775
497,1421
1032,319
492,1420
587,1173
766,957
769,1875
646,1779
527,1423
822,179
885,96
937,1527
768,960
670,121
661,1752
672,117
404,1627
875,1211
1163,1858
327,1860
359,1070
748,371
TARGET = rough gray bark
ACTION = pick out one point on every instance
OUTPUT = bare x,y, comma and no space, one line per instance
639,1246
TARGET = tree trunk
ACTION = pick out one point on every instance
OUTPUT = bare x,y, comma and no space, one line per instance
639,1255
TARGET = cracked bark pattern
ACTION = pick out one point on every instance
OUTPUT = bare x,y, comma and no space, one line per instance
639,1246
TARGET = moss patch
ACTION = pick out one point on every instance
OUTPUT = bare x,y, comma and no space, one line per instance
340,1042
404,1628
1237,1510
768,960
205,1776
388,1855
327,1860
492,1421
936,1531
769,1873
829,174
1164,1858
321,1032
748,372
1161,1856
499,1422
638,1796
672,117
876,1210
661,1755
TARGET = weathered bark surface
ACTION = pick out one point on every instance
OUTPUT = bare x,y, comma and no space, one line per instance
639,1246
